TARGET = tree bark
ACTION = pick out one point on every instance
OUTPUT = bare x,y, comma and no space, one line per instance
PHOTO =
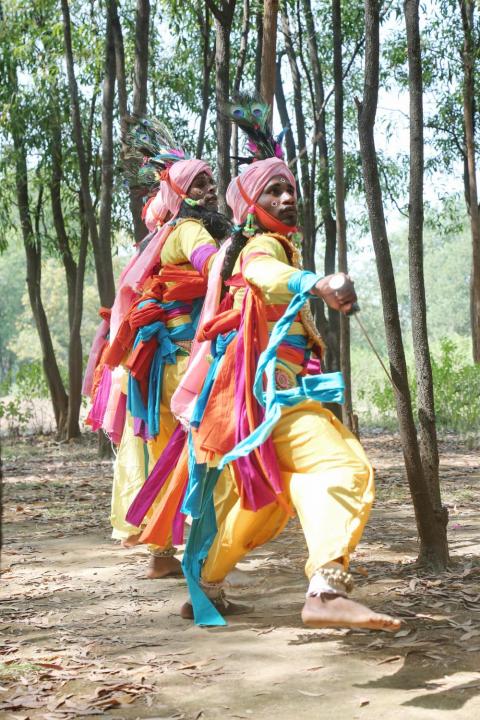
258,50
269,49
341,221
470,50
306,206
33,253
237,81
108,94
140,95
74,273
208,60
423,367
332,360
102,253
431,523
75,354
290,148
223,12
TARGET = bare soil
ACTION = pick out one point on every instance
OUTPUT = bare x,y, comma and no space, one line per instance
84,634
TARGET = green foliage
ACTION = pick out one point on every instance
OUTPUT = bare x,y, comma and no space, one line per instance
14,415
456,386
30,381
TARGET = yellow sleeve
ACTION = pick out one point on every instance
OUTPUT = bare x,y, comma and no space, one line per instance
182,242
265,264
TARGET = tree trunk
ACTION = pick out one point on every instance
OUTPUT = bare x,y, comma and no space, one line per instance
431,523
332,360
423,367
269,49
108,94
470,50
75,354
306,206
33,252
237,81
208,60
290,148
341,221
223,26
102,253
75,275
140,95
258,50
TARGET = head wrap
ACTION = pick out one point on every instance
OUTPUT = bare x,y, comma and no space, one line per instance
175,183
166,204
253,182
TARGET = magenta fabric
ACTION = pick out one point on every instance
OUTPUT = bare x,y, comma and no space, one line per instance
95,350
157,478
253,181
313,366
178,526
98,409
257,492
200,256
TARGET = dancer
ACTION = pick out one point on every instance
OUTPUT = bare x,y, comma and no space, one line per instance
290,454
154,318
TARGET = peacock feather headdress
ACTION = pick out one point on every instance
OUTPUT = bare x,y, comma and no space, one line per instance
251,113
148,149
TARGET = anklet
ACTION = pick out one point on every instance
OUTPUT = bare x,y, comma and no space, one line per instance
167,552
330,580
214,591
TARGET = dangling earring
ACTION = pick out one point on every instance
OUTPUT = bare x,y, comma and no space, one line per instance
250,226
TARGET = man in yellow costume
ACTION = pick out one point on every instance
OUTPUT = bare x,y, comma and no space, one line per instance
153,323
289,453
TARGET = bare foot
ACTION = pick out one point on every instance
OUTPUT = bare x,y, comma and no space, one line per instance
131,541
335,611
224,607
161,567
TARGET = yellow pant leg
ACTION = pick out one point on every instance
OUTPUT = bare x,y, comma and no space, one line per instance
129,472
329,478
225,495
241,531
330,481
136,459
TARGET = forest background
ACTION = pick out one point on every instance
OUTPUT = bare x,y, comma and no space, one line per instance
404,215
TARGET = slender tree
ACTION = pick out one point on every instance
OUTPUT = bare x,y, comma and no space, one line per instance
269,49
341,221
469,56
208,58
431,521
102,252
223,12
423,367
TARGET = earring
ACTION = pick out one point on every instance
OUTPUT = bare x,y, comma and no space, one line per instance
274,203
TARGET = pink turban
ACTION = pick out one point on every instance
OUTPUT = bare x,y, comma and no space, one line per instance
182,173
165,204
253,181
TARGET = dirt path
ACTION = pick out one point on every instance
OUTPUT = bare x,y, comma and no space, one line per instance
84,634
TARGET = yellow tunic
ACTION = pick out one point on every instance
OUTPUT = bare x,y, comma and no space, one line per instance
326,474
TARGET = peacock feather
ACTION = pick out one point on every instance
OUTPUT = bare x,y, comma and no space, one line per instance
251,114
147,148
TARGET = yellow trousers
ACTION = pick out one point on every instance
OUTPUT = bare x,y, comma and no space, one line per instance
327,478
136,459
